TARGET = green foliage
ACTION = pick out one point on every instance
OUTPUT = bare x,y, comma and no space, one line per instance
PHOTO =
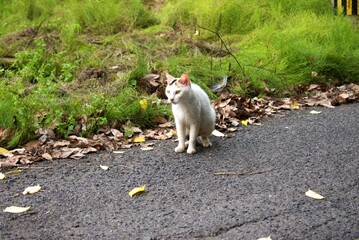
40,65
277,43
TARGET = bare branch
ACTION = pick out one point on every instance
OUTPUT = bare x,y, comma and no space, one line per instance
224,44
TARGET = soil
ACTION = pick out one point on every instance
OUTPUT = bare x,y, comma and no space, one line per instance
246,187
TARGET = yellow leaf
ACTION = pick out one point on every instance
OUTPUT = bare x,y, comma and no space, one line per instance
14,209
313,194
139,139
104,167
3,150
245,122
143,104
14,171
294,104
137,190
32,190
2,176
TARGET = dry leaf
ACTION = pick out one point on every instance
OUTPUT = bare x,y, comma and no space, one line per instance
217,133
315,112
139,139
62,143
137,190
116,133
118,152
104,167
32,190
147,148
15,209
136,130
265,238
47,156
313,194
2,176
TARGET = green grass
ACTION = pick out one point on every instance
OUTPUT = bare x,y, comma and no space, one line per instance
56,56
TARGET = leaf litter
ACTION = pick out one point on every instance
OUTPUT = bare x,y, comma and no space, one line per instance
232,112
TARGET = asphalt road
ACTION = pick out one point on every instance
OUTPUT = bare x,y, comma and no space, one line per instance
275,164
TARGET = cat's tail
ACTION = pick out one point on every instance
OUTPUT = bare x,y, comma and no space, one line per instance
218,87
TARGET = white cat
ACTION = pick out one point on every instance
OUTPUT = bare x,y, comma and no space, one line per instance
192,110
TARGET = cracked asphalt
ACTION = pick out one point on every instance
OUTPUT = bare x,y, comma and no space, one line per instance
273,165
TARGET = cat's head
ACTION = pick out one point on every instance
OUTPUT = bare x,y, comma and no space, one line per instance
177,87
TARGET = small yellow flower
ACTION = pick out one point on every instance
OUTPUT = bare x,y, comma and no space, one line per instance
143,104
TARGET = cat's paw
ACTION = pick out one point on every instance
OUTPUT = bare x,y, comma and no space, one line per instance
191,150
205,142
179,149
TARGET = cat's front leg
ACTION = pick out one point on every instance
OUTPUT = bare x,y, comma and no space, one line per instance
181,133
193,134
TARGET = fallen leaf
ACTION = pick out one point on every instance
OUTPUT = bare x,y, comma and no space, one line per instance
147,148
143,104
47,156
31,190
265,238
217,133
116,133
62,143
165,125
14,171
137,190
312,86
15,209
171,133
136,130
104,167
245,122
315,112
294,104
2,176
118,152
3,150
139,139
313,194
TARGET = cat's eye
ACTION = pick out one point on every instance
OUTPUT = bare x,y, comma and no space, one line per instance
178,91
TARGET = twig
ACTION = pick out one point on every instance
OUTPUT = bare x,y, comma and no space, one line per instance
243,173
224,44
34,167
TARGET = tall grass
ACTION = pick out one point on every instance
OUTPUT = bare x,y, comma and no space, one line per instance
278,43
101,17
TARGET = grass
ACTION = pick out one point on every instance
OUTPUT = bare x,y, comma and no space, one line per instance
67,65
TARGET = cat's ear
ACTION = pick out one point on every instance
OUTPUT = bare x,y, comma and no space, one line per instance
169,78
184,79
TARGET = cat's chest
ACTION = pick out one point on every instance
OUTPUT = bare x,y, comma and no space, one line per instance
188,113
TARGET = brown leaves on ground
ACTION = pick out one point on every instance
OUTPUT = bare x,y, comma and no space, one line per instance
232,112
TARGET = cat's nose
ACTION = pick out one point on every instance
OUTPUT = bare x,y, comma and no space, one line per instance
172,100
